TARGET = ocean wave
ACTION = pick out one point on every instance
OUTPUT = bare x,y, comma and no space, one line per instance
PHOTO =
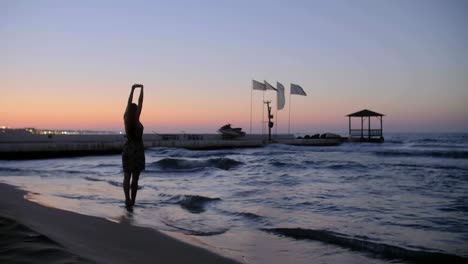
393,141
427,140
25,172
192,203
107,165
244,215
439,139
194,232
345,165
96,198
187,153
245,218
441,146
248,193
171,164
249,215
276,150
459,205
421,153
427,166
334,165
210,153
362,244
111,182
161,150
280,164
4,169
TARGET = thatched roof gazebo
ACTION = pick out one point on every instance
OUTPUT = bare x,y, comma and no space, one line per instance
368,132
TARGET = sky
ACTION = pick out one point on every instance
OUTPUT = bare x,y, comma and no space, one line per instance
70,64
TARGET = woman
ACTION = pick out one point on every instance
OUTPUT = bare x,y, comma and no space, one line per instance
133,155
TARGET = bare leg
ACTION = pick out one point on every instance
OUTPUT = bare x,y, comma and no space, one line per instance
126,187
135,177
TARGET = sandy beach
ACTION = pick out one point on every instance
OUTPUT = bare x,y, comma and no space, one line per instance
92,239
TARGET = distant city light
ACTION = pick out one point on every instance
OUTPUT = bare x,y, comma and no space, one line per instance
34,131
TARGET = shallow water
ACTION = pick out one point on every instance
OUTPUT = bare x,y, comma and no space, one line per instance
401,201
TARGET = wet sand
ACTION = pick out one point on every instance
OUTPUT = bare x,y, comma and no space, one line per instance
93,239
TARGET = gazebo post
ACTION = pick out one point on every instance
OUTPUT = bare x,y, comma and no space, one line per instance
368,130
381,127
349,126
362,127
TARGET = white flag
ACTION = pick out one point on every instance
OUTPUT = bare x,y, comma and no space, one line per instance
268,86
296,89
279,96
258,86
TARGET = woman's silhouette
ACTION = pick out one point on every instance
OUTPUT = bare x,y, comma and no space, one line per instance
133,155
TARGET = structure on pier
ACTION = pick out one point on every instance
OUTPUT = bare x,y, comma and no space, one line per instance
366,134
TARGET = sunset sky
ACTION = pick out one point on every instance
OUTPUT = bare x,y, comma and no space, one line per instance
70,64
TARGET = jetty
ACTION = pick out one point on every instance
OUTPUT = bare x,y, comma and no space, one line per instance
29,143
36,146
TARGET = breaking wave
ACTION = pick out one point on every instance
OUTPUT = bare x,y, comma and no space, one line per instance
379,249
4,169
195,232
454,154
192,203
171,164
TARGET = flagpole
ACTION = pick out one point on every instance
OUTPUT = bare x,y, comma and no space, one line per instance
276,114
289,122
276,119
263,114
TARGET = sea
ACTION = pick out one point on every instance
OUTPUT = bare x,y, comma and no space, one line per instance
401,201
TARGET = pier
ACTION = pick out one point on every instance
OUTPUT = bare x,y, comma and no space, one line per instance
35,146
29,144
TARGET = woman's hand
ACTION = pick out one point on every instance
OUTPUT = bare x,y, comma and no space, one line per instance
130,97
137,85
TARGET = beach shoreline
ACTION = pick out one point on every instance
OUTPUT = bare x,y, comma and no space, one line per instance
98,239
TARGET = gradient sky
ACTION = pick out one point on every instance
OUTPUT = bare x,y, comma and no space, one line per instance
70,64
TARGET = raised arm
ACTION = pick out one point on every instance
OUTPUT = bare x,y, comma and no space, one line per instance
130,98
140,100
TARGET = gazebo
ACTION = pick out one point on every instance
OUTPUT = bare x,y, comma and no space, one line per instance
366,132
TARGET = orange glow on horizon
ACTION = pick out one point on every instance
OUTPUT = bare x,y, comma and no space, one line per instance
175,109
